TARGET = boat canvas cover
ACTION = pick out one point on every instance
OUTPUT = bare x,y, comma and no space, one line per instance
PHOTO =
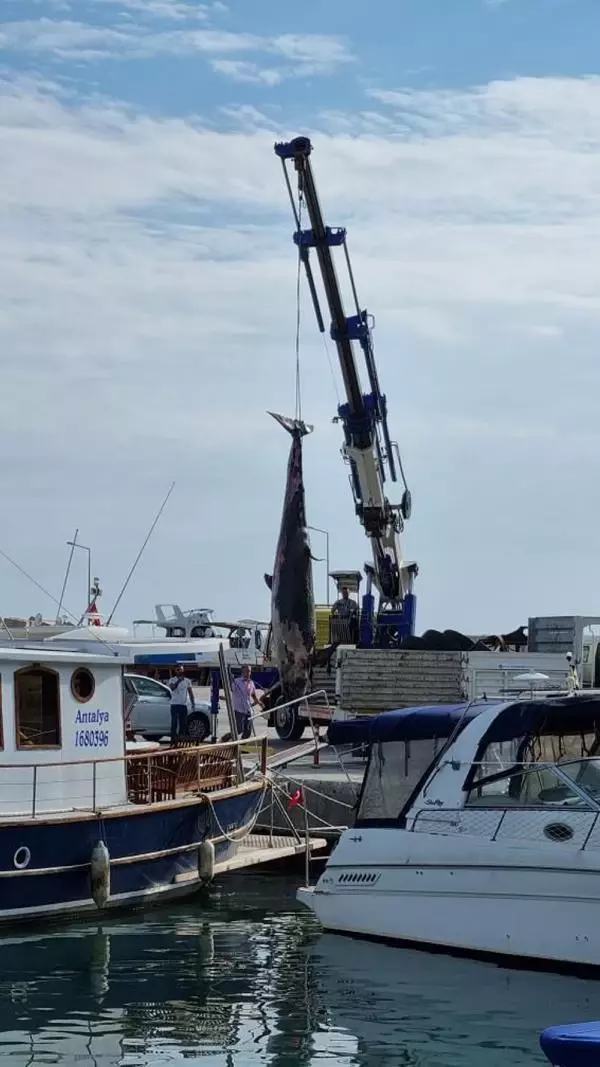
573,714
406,724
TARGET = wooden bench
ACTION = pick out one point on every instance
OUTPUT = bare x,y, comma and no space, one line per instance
182,769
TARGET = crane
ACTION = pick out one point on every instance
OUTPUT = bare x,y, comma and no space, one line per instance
372,456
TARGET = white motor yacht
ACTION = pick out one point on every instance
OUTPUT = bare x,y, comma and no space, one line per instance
477,830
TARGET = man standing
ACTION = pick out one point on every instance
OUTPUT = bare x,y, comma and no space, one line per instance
244,696
346,611
181,689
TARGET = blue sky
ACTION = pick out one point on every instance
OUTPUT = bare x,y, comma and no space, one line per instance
148,281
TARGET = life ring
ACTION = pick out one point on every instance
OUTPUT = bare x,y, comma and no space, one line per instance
21,858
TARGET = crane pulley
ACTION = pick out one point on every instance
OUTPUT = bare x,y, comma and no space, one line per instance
372,456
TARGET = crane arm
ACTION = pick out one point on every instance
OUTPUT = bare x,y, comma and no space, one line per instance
368,448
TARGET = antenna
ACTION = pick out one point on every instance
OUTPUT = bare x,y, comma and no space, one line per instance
67,573
139,555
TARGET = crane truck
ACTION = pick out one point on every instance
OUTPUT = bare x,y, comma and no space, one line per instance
373,458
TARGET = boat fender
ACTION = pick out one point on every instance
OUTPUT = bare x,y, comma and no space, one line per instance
206,861
100,872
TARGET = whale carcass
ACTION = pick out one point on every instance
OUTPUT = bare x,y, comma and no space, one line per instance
292,599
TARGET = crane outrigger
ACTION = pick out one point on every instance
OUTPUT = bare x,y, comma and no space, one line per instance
372,456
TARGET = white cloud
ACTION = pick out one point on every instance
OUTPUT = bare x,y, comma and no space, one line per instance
249,117
298,55
148,281
177,10
77,40
241,71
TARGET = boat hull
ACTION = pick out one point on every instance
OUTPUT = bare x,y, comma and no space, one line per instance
463,895
153,853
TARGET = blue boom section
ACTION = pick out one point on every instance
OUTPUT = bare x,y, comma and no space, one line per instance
363,415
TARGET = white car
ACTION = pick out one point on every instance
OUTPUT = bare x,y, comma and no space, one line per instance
151,712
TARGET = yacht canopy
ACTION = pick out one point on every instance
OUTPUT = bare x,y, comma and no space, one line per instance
573,714
406,724
578,713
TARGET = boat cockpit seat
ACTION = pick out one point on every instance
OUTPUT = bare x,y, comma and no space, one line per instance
535,783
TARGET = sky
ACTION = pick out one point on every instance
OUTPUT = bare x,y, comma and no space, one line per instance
148,294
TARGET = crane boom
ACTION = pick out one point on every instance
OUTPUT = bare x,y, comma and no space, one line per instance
368,448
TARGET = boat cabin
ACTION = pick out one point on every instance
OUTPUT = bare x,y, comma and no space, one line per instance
62,737
487,767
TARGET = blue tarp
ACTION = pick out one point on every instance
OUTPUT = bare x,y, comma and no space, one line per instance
406,724
554,715
577,1045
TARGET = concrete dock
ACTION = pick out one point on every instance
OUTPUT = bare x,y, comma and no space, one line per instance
330,792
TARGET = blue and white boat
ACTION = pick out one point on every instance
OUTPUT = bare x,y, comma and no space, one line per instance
477,831
88,820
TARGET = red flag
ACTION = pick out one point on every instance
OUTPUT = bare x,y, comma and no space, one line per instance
93,614
296,798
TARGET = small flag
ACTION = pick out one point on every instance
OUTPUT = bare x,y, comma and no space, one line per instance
93,615
296,798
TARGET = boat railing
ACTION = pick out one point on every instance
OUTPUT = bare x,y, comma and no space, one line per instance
518,825
33,789
316,708
543,801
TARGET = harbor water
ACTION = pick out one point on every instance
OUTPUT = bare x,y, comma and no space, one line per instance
243,976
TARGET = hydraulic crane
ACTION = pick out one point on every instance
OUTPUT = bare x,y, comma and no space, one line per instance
372,456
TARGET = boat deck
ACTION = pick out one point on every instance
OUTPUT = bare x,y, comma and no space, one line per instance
257,849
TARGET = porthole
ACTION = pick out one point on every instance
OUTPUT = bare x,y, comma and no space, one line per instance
21,858
83,685
558,831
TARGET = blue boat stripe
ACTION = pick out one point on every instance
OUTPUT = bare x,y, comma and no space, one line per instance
139,858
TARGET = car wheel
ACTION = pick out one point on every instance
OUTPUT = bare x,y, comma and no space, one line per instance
198,726
288,724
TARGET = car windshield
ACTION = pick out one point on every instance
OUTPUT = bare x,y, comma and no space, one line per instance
585,773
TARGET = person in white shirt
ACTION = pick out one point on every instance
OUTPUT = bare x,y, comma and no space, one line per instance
244,694
181,689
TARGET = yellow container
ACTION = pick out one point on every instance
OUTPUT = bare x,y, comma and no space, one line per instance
322,616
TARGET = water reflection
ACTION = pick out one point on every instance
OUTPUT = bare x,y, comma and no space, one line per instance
243,977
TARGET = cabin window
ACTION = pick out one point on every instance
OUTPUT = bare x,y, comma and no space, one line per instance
83,685
37,707
528,787
394,772
504,756
147,687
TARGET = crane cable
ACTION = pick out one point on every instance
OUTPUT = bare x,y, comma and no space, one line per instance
298,323
298,279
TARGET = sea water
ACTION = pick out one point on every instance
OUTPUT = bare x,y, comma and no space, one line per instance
242,975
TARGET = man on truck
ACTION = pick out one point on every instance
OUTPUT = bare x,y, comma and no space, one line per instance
344,614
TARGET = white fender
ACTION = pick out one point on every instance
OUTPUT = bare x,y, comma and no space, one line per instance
206,861
100,872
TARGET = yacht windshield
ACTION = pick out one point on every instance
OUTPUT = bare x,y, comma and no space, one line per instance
585,773
395,768
535,786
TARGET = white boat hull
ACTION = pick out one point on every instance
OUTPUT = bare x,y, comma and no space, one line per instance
461,893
